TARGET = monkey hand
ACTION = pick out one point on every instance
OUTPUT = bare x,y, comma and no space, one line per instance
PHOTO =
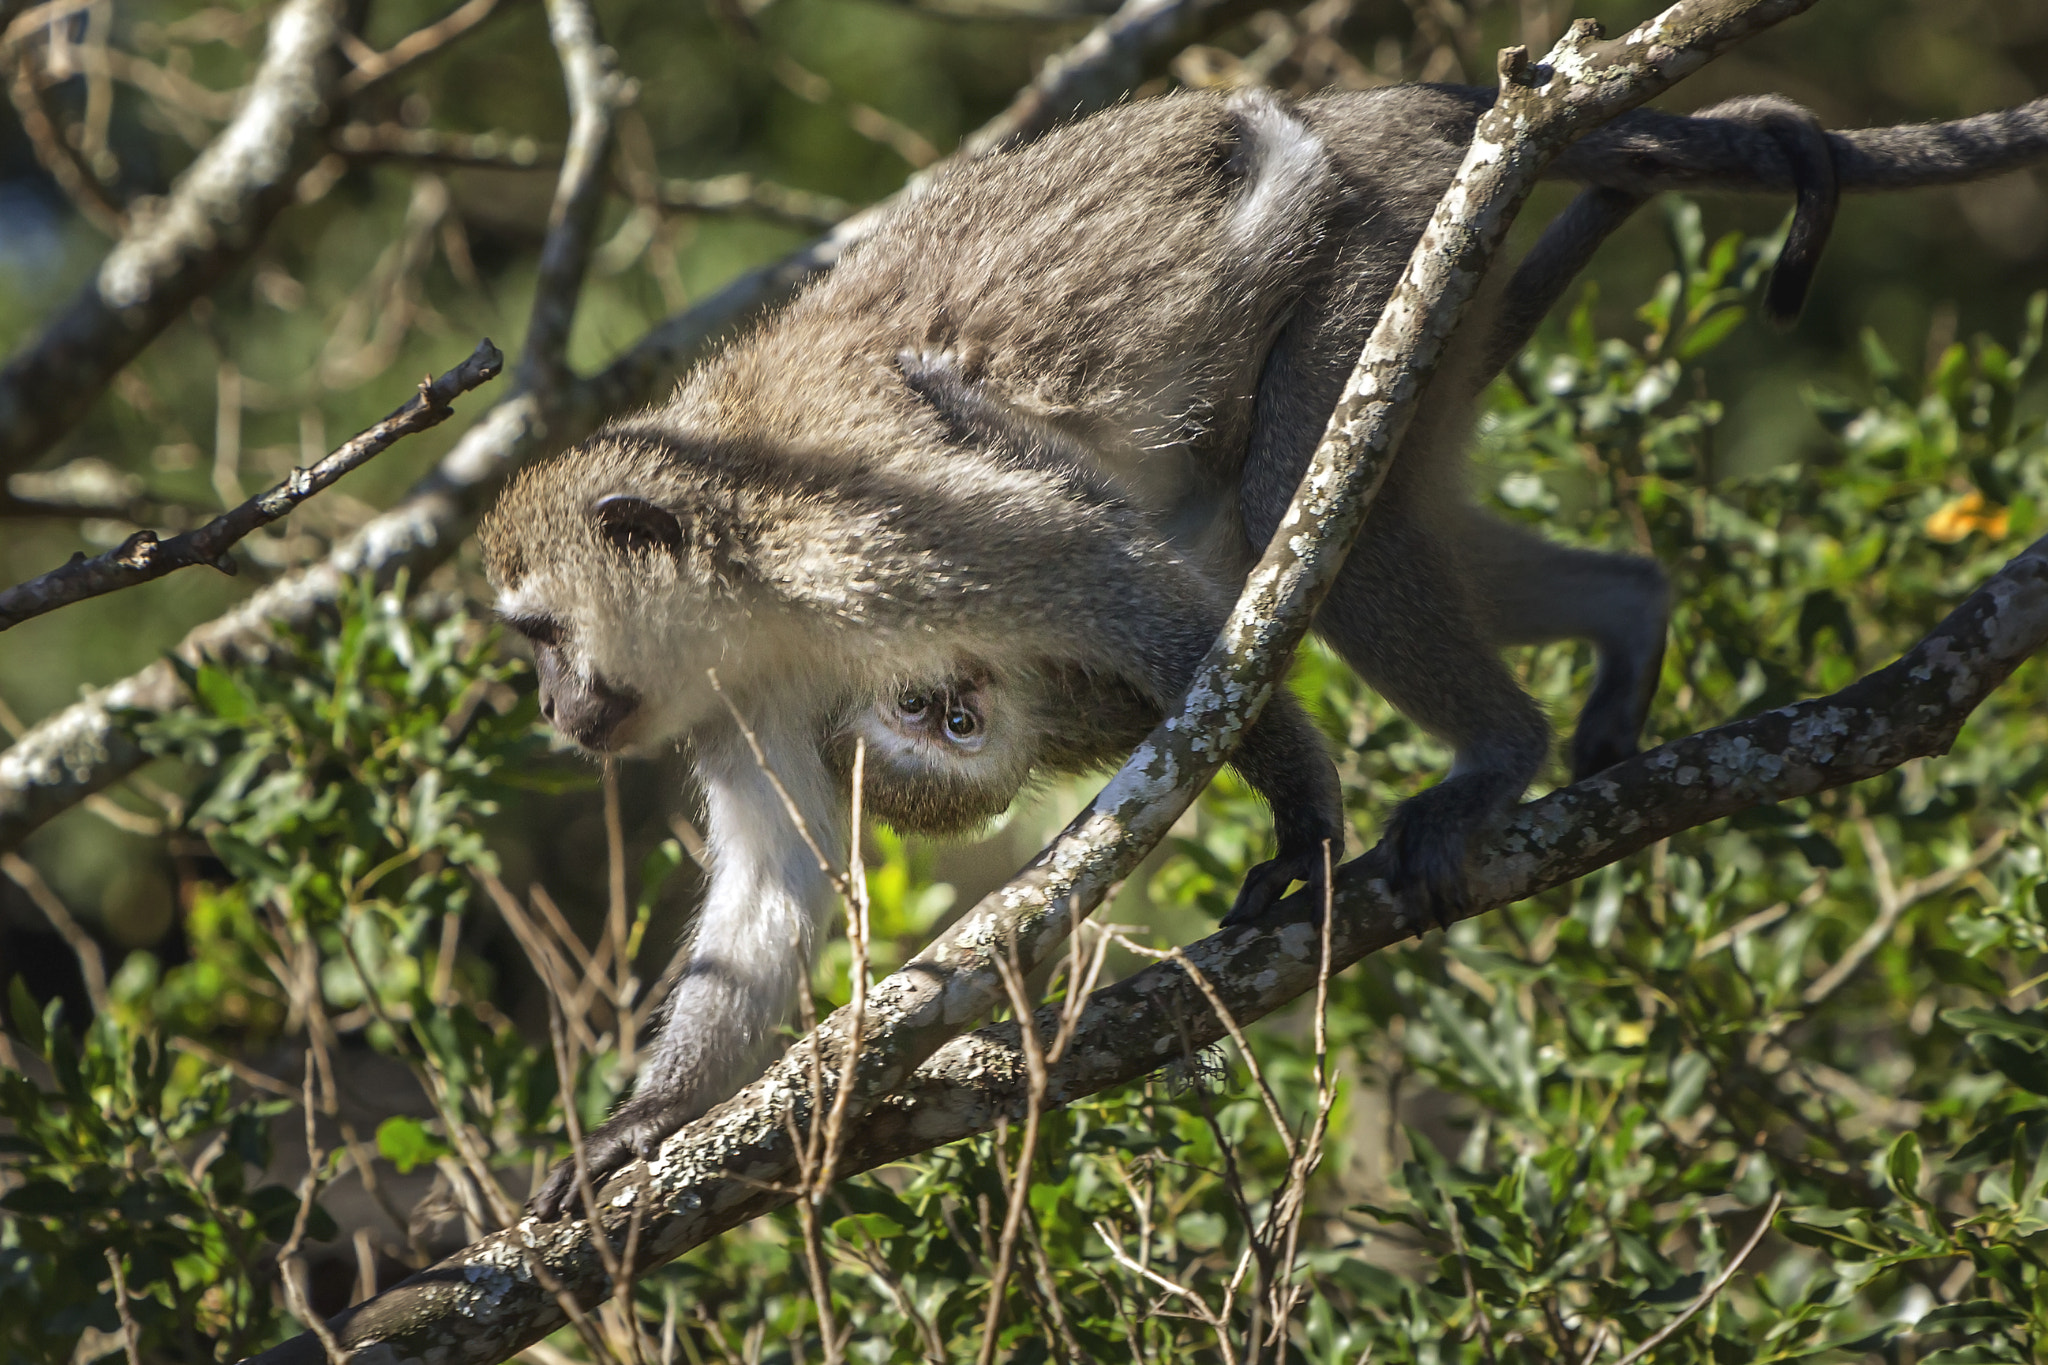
1265,884
632,1134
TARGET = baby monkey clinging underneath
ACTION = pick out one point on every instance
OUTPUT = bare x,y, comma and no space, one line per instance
981,497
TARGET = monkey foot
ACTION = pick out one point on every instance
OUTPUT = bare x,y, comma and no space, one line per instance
1422,854
632,1134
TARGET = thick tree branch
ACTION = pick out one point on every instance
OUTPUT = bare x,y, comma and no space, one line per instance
142,558
493,1298
1911,709
90,745
208,225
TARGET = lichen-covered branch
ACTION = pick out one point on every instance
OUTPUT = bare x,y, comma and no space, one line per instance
142,558
495,1297
90,745
1911,709
210,222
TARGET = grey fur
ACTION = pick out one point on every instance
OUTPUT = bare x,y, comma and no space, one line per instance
1017,452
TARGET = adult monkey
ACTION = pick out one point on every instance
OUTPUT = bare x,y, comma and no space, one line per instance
1018,448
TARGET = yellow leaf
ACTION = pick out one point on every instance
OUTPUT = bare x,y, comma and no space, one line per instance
1960,516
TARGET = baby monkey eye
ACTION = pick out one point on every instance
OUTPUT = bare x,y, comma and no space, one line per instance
913,704
961,722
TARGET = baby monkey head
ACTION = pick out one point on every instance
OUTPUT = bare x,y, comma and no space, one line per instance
614,561
945,755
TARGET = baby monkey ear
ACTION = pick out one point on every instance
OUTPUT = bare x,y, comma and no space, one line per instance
636,524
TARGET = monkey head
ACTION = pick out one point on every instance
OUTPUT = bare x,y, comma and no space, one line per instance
943,756
614,560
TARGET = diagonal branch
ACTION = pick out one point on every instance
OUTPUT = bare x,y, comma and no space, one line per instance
212,220
492,1300
596,91
142,558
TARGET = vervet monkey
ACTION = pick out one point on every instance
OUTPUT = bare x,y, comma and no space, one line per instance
980,497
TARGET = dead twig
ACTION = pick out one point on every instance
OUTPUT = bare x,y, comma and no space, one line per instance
91,965
142,557
415,46
1720,1282
369,141
596,92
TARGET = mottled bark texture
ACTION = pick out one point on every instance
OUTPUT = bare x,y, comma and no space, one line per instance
209,224
90,745
493,1298
142,557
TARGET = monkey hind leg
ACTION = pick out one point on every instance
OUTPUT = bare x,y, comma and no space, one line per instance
1284,759
1399,614
1531,592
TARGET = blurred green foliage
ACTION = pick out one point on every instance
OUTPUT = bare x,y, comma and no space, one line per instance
1553,1130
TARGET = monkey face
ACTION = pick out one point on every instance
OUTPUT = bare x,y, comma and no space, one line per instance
582,705
600,563
942,757
947,720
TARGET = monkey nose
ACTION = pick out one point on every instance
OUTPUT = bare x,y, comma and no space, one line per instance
592,712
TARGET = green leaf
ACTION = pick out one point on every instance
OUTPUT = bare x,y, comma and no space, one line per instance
406,1143
223,695
1902,1167
1974,1315
876,1226
2026,1029
28,1018
2026,1069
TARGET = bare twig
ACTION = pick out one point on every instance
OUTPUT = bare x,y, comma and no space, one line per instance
39,122
496,150
142,557
1720,1282
1893,901
742,193
208,225
291,1270
417,45
1018,1207
91,965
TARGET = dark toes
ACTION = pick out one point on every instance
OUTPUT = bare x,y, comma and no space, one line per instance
1594,753
606,1152
1265,884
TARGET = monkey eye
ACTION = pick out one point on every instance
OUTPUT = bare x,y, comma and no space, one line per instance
539,629
962,723
914,705
636,524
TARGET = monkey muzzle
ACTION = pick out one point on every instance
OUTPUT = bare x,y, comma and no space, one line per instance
587,710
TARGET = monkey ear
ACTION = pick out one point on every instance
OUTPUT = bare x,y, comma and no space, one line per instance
636,524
